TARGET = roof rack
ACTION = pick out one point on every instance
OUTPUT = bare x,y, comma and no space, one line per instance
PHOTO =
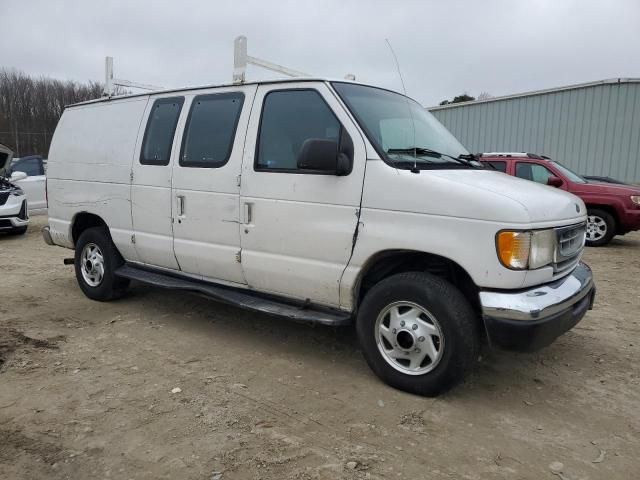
515,155
505,154
111,83
241,59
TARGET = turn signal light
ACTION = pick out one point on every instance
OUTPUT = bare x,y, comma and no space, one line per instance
514,248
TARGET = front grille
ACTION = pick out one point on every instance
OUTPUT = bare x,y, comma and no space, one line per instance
3,197
569,245
5,223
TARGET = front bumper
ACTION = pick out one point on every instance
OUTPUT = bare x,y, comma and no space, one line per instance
533,318
13,214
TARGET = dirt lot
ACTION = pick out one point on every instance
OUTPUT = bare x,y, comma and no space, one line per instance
85,390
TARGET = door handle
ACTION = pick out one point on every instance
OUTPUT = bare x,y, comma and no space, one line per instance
247,212
180,201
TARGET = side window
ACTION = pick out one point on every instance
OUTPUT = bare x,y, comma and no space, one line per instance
210,130
533,171
289,117
499,166
161,126
30,166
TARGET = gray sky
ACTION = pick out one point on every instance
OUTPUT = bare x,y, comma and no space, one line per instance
444,47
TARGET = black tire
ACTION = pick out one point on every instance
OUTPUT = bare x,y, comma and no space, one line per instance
18,231
458,323
111,286
610,223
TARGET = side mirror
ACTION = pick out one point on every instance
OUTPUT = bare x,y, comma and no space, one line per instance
17,176
322,155
554,181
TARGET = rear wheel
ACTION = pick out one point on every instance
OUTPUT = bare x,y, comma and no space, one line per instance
601,227
96,261
418,333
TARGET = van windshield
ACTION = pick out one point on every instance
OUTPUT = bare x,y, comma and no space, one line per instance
397,125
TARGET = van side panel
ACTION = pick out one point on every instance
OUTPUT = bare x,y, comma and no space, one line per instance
89,169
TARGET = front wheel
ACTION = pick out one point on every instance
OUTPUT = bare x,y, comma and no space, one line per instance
418,333
96,261
601,227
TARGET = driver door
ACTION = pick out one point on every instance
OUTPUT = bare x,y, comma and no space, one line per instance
297,225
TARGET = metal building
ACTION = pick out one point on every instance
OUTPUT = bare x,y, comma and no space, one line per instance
593,128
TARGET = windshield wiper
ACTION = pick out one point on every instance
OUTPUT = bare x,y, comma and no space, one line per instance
464,159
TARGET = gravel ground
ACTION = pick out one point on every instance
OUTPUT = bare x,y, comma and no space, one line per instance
86,390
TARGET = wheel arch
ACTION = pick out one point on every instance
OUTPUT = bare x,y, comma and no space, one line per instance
610,209
385,263
84,220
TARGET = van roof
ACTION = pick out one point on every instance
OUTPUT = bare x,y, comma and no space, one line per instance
202,87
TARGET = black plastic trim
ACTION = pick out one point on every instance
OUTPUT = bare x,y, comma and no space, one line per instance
528,336
243,298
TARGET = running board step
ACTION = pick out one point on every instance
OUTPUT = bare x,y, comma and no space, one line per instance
239,297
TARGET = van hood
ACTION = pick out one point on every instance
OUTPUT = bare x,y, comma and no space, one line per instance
6,155
541,203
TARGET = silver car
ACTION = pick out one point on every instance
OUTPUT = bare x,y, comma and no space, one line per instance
14,217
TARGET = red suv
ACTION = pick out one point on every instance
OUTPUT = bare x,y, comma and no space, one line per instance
612,209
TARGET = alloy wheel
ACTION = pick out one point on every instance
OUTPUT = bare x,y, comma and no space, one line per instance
409,338
596,228
92,264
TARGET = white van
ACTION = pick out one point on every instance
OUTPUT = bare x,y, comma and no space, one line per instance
322,201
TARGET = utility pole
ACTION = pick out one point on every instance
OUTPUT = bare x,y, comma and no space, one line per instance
15,126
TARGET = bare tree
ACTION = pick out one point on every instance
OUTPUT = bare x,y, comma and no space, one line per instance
31,107
465,97
484,96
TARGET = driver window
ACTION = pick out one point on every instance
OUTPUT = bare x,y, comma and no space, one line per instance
289,117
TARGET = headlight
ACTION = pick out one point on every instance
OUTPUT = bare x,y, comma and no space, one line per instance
522,250
635,199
